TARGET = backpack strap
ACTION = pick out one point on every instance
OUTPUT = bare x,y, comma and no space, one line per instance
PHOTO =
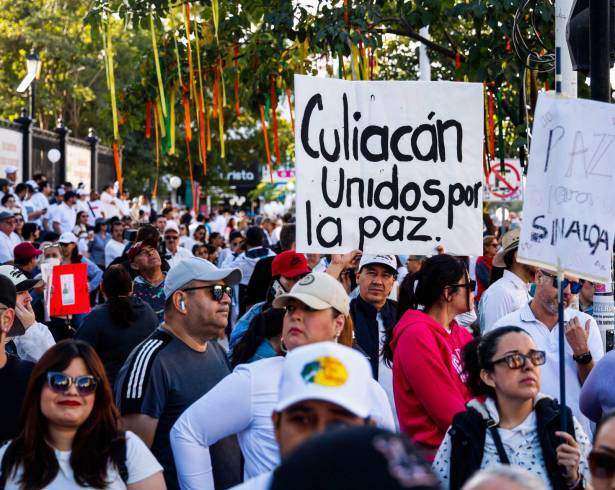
492,425
122,468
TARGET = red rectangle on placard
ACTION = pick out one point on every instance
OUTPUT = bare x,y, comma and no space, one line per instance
69,290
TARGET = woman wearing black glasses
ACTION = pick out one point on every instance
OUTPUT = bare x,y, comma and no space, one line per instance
515,424
70,435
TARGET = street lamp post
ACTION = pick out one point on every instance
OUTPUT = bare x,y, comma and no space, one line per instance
33,64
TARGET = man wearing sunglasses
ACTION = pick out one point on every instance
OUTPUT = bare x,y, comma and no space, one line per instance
171,243
14,372
539,318
179,363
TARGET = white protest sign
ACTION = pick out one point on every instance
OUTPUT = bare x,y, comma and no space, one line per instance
388,167
569,200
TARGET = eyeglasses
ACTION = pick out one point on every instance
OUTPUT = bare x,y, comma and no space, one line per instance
60,383
517,361
471,284
170,238
601,465
217,291
575,286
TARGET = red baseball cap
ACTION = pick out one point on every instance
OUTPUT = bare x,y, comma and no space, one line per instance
289,264
25,250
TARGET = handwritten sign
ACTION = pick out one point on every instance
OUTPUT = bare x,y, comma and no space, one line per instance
388,167
569,199
69,290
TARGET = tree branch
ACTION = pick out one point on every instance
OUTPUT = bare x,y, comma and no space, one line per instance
412,34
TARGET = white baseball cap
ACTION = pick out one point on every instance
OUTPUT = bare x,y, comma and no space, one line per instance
18,278
33,184
10,170
171,226
197,269
67,237
388,260
318,290
329,372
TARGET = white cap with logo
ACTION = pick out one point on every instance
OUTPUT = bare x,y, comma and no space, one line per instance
68,237
328,372
387,260
318,290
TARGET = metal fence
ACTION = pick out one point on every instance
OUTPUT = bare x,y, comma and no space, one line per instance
82,160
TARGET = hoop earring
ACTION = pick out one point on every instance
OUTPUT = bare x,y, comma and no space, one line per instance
283,346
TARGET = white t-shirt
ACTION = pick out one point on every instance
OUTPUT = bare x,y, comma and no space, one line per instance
181,253
140,462
548,341
7,244
260,482
113,249
243,402
65,216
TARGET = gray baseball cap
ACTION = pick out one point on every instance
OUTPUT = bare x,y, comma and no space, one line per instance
197,269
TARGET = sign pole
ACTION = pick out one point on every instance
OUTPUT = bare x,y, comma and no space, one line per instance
562,354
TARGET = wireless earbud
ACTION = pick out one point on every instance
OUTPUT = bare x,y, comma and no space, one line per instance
182,305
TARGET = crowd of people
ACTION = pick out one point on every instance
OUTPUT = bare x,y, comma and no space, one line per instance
215,356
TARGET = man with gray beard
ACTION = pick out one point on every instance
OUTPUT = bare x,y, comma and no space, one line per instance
583,346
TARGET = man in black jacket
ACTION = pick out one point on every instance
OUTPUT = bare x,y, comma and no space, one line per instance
373,313
14,372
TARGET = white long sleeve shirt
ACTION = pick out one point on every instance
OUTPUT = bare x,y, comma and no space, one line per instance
507,294
242,404
34,343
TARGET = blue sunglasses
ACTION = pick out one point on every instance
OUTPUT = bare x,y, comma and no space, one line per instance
575,286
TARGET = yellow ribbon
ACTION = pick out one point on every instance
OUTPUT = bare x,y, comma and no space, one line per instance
157,61
174,30
163,131
116,131
215,13
172,122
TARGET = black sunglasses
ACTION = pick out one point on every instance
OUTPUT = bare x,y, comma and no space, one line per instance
471,284
575,286
517,361
217,291
601,465
60,383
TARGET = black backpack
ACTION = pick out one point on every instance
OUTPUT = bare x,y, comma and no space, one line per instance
122,468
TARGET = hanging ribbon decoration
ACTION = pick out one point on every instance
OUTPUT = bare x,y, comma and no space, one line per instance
177,60
116,131
189,48
236,55
216,93
290,107
274,116
215,13
148,119
202,142
501,131
155,191
172,123
264,125
190,169
208,131
159,111
187,119
457,59
157,63
347,13
491,125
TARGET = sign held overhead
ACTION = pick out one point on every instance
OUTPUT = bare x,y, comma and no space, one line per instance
388,167
569,201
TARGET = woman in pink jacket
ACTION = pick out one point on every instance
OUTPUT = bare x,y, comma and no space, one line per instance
425,350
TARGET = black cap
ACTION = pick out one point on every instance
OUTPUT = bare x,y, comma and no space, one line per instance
8,298
358,458
234,234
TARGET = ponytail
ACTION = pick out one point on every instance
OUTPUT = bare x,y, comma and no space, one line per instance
117,287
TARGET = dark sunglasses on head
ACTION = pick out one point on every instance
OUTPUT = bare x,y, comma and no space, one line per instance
217,291
601,465
517,361
60,383
575,286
